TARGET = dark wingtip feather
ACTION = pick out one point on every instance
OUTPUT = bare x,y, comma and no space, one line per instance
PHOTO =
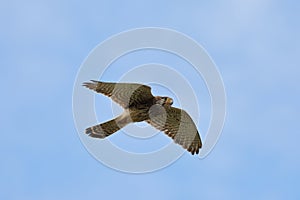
193,149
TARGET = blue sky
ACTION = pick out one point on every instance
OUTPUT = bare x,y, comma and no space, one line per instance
255,45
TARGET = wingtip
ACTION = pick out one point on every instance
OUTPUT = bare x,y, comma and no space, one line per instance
193,150
90,85
85,84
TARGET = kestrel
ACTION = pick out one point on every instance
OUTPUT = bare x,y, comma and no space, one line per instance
140,105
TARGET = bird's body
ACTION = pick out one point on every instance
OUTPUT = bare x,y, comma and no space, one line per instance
140,105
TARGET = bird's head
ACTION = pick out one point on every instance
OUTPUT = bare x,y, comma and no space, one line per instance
164,101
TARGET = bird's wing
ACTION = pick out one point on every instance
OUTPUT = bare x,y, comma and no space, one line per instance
125,94
178,125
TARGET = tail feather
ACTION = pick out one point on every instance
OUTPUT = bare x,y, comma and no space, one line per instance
107,128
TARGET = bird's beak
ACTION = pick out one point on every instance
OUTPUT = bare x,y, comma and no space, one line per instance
169,101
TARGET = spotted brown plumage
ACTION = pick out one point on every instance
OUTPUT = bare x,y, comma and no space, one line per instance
140,105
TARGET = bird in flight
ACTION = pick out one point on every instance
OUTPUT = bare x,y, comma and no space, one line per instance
140,105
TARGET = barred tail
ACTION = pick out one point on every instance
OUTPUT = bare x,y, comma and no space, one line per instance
107,128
